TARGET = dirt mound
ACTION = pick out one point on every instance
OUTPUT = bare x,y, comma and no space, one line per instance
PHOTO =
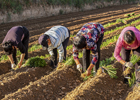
53,86
14,80
134,94
5,67
100,87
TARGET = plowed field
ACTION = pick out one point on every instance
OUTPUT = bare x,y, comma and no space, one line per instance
66,83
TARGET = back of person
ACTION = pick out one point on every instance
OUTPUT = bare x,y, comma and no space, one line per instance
58,34
14,35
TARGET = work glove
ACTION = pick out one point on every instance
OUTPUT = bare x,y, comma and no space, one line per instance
128,64
79,67
13,66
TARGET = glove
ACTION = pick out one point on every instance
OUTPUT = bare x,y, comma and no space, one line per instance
128,64
79,67
13,66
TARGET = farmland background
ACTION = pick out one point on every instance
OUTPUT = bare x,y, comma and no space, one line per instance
18,10
46,83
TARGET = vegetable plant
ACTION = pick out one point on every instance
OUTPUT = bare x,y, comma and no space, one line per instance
35,62
110,70
134,59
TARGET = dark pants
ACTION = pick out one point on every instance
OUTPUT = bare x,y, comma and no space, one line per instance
125,54
54,57
25,42
86,56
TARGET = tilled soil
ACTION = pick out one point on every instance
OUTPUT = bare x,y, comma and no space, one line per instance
100,87
48,84
134,94
50,87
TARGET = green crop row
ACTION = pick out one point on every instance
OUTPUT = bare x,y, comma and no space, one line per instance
121,20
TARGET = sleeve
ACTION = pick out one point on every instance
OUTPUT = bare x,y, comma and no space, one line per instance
118,50
94,54
61,52
102,29
50,51
21,47
75,53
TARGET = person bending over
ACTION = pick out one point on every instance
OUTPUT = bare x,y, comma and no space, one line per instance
55,39
89,38
16,38
128,40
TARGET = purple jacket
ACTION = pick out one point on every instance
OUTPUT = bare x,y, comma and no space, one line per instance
15,35
120,42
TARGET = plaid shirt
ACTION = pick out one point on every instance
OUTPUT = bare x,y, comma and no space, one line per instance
92,33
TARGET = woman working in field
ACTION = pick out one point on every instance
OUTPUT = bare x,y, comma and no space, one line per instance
128,40
55,39
88,38
17,37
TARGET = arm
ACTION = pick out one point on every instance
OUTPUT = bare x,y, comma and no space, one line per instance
22,49
117,51
11,58
21,59
94,60
122,62
61,52
75,55
50,51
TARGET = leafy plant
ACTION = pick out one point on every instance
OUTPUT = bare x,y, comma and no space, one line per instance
128,15
35,62
132,14
70,61
132,80
110,70
134,59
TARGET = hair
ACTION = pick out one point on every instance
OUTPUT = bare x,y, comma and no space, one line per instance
79,42
7,47
43,40
129,36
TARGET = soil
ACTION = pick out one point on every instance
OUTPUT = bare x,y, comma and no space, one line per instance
66,83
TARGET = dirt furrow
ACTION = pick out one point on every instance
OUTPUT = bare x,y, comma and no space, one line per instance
9,80
57,78
13,81
100,87
51,87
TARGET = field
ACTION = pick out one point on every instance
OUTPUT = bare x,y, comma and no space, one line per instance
66,83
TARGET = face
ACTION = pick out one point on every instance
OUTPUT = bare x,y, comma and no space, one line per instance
129,43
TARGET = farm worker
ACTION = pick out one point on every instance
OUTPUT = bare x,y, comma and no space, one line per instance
55,39
128,40
88,38
16,37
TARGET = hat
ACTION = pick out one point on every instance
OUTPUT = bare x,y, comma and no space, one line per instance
43,41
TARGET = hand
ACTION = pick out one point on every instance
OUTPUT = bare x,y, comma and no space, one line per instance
13,66
19,65
128,64
79,67
88,72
